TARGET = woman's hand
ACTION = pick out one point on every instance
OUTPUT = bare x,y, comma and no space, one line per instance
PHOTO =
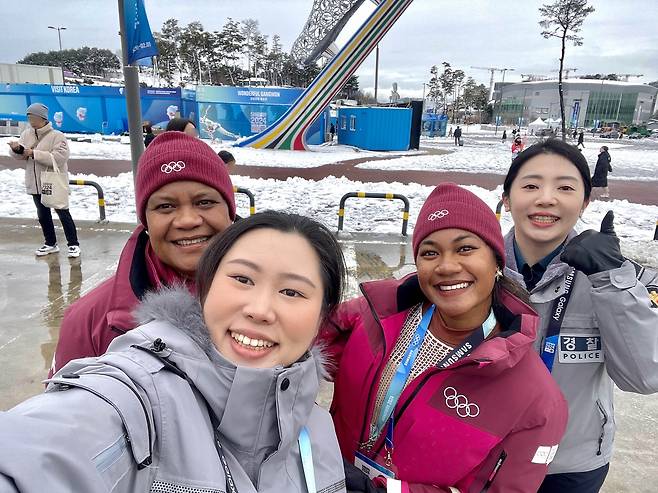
595,251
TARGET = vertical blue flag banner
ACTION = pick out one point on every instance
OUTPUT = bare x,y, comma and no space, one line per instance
138,32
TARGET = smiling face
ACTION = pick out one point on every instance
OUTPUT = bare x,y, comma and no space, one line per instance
456,272
181,218
546,200
264,306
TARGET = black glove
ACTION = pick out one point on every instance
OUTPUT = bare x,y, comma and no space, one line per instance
357,482
593,251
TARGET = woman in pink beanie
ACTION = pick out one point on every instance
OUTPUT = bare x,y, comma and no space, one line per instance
437,386
184,197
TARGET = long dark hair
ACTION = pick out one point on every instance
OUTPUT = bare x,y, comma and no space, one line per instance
332,262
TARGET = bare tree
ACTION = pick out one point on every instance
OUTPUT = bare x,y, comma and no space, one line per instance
563,19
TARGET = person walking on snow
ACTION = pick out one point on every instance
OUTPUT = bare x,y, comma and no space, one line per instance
39,145
504,136
457,135
600,177
581,139
517,146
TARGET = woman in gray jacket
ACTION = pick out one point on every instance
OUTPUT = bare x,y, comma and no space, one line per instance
213,393
598,323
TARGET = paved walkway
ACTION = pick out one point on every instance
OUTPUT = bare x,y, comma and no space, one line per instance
636,191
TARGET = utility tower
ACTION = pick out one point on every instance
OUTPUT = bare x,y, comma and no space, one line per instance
491,81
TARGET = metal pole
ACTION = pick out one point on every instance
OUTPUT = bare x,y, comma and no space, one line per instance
61,59
133,103
376,71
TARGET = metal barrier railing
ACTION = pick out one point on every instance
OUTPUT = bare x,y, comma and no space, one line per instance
655,233
252,199
101,197
368,195
499,210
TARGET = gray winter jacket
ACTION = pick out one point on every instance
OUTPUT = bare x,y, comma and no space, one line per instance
47,143
609,334
128,421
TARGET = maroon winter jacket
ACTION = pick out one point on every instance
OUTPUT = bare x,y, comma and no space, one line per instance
92,322
451,426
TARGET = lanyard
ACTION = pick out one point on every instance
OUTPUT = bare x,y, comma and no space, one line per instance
559,308
307,460
404,368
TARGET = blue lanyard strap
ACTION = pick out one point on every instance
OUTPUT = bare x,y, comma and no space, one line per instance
403,371
304,441
559,308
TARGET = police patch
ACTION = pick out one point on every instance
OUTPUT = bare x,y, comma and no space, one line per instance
653,295
581,348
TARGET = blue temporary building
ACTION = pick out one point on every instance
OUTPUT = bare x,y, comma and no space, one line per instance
375,128
87,109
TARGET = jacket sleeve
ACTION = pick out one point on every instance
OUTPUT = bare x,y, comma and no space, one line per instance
59,151
66,441
628,323
336,330
20,157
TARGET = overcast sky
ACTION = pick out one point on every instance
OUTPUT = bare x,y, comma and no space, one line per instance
620,36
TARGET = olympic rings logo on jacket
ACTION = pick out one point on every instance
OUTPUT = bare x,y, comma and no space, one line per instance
454,400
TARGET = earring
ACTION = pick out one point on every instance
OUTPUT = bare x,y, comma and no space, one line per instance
499,274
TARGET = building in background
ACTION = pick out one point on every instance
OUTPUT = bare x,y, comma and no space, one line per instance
15,73
588,102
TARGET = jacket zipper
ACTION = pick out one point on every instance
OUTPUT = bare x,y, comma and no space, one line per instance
367,441
605,421
34,164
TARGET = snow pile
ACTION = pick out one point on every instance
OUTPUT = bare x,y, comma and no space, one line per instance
634,223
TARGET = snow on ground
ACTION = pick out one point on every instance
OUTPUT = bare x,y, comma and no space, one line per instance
484,153
634,223
320,155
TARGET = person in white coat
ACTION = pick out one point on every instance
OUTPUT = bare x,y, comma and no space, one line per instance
39,145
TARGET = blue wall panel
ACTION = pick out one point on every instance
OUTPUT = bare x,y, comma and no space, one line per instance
374,128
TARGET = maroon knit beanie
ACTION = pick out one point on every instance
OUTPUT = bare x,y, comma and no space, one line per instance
175,156
450,206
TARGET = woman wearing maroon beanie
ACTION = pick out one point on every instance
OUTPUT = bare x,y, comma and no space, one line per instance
184,197
437,387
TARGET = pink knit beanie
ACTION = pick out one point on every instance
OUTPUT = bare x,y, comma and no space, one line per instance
175,156
450,206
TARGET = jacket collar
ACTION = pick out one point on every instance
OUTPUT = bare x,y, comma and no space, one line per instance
519,321
43,130
255,408
554,269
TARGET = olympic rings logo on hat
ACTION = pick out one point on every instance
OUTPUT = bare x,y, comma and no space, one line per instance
438,215
172,166
454,400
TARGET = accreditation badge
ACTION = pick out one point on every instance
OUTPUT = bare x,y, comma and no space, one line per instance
371,468
580,348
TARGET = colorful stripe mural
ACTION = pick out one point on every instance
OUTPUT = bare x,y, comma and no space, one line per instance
289,131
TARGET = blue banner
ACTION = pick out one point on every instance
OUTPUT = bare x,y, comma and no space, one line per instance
138,32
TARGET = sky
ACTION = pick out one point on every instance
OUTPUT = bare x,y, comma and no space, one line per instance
619,37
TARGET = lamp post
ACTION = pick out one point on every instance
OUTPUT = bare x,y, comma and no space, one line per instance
61,59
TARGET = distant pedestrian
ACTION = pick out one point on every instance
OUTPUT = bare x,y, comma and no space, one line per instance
581,140
332,131
517,146
575,133
450,132
148,138
513,133
40,145
229,161
600,176
458,135
184,125
504,136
